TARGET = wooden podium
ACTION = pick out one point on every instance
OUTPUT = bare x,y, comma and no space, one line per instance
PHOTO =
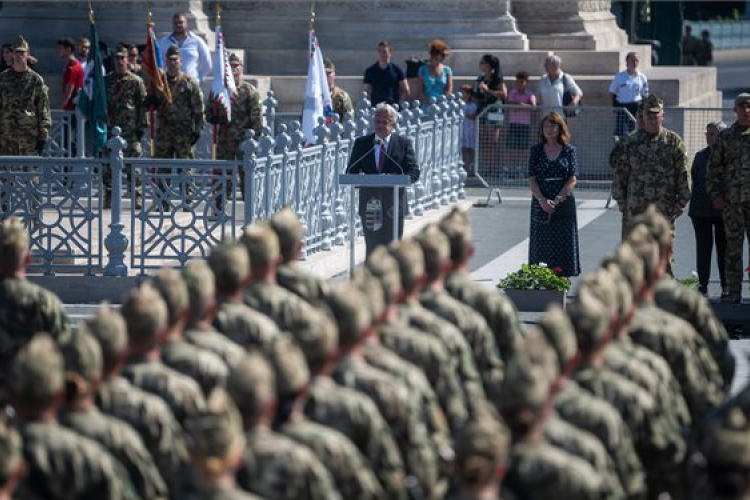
371,181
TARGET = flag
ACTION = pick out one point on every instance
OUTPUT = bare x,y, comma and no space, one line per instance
222,88
153,66
92,99
318,101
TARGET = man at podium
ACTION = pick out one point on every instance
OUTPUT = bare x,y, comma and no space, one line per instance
380,153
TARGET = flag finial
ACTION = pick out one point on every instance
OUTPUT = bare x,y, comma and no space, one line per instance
91,13
217,8
150,21
312,15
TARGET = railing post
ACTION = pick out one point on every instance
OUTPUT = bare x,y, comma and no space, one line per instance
267,144
459,167
417,192
322,134
248,147
116,242
270,104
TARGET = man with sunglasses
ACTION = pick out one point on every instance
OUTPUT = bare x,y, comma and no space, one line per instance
728,185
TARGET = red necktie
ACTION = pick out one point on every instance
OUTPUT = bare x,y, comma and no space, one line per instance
381,159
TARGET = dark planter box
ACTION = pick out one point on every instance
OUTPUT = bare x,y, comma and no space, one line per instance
535,300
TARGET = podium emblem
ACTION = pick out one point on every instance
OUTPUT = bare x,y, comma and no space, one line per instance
374,214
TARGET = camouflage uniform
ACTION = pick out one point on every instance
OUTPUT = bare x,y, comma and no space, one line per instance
729,178
296,279
357,417
481,448
247,114
651,169
25,118
245,326
210,340
204,367
342,103
180,122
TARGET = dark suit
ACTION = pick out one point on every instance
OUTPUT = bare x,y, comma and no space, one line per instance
399,160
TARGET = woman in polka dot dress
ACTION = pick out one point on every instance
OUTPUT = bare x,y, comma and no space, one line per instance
553,172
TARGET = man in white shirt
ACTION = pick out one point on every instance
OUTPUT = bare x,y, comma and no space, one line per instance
196,58
628,88
553,85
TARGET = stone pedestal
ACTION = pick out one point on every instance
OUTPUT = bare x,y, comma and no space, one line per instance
569,24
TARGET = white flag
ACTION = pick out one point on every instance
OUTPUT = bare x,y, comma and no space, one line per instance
222,88
318,101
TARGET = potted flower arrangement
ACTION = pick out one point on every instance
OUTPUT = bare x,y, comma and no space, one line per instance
535,286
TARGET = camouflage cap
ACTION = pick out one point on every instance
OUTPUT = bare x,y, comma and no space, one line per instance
482,447
346,303
262,245
216,432
83,356
14,241
145,314
526,387
727,443
234,59
251,385
646,248
557,329
410,261
37,372
230,264
11,452
741,98
435,248
653,104
289,366
107,326
656,223
172,288
289,230
629,264
590,318
201,287
172,51
384,267
21,45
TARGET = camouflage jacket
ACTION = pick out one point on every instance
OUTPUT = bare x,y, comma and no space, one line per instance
24,106
184,115
342,103
205,367
210,340
307,285
652,169
729,165
245,326
125,96
247,113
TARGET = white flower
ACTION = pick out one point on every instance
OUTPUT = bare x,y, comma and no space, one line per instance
694,274
542,264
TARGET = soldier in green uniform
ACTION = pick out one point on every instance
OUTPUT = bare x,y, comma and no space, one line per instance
482,454
342,103
25,118
728,185
651,168
126,93
25,308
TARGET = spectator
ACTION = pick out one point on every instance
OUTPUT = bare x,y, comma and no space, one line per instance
194,53
84,46
519,120
553,173
628,88
72,75
435,77
705,49
486,91
385,81
554,85
469,132
707,221
7,60
690,47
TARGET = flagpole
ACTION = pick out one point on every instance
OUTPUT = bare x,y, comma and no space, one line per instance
216,126
312,15
152,91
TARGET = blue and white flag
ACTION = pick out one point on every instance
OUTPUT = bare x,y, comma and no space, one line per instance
222,88
318,101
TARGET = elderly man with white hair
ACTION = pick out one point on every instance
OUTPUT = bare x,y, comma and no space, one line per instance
379,153
554,85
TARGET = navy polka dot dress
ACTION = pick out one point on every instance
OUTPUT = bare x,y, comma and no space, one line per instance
555,242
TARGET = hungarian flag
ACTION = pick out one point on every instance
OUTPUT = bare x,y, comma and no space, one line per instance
153,66
92,100
222,88
318,101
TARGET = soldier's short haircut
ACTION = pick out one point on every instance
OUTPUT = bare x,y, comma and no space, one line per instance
646,248
172,288
558,331
36,376
83,356
145,315
251,385
656,223
262,245
591,319
14,241
482,448
384,267
230,264
459,237
384,43
372,288
216,433
622,289
201,287
108,327
600,282
66,42
289,230
629,263
436,250
410,260
348,306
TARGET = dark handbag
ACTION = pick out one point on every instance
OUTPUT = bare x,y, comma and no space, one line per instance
568,98
550,188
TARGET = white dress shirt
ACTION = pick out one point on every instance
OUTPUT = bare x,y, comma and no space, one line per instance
552,92
196,58
629,88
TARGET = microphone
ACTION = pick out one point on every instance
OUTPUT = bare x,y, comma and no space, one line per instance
378,142
371,151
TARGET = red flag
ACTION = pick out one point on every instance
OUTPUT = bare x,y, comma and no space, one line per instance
153,66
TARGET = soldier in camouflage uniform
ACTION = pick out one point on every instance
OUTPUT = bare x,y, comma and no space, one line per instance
496,308
146,317
12,466
728,185
400,406
342,103
216,447
206,368
434,297
83,370
652,167
25,308
274,466
724,472
61,464
126,94
25,119
148,414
